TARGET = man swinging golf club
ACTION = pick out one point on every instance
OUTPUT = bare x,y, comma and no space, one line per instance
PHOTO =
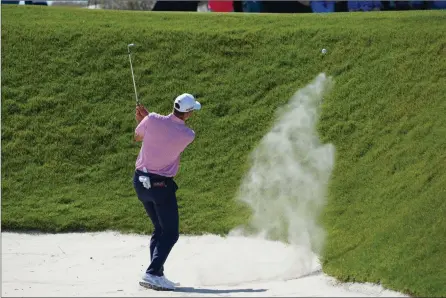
163,138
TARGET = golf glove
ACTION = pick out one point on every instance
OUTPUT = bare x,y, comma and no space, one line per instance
145,180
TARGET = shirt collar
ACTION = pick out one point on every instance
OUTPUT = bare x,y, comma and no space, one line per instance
175,118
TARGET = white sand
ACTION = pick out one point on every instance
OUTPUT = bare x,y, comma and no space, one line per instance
111,264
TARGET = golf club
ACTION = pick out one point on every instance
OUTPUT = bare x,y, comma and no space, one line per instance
133,76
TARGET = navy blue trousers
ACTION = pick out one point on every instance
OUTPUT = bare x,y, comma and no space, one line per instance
161,205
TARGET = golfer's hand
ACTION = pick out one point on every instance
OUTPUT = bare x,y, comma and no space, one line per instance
140,113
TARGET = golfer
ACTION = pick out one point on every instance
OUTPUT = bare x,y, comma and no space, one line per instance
163,139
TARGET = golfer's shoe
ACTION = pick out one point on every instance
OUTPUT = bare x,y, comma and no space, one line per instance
169,282
155,283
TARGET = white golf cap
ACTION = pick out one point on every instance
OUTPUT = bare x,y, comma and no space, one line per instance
186,102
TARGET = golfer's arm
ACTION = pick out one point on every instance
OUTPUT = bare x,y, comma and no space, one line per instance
138,138
140,128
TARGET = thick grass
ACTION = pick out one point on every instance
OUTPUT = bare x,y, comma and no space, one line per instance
68,120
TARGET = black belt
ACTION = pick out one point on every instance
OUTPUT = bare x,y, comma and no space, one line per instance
154,176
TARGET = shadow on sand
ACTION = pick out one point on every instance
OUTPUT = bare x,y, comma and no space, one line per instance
214,291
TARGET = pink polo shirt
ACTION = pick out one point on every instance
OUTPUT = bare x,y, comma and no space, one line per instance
164,139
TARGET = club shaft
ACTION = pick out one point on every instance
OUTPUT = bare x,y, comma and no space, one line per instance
133,77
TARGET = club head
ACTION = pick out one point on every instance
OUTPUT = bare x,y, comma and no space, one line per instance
130,45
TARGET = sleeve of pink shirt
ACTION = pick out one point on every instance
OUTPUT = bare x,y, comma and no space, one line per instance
142,126
191,137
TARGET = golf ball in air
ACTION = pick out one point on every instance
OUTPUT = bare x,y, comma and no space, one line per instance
324,51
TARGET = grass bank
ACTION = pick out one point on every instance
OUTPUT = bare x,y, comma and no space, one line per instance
67,124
